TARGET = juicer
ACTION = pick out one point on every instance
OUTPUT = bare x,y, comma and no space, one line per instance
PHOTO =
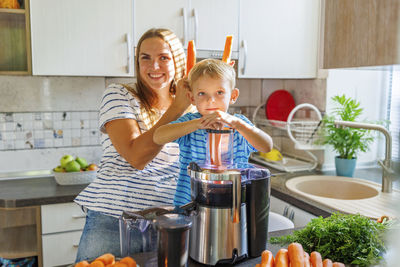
230,205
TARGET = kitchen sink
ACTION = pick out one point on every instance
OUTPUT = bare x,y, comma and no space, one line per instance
332,187
346,195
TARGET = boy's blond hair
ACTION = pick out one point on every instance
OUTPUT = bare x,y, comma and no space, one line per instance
214,68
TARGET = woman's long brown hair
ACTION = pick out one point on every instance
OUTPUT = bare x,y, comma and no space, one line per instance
145,95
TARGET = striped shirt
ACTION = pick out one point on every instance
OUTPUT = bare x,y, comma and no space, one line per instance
193,148
118,185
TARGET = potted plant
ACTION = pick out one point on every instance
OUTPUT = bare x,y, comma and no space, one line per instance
347,142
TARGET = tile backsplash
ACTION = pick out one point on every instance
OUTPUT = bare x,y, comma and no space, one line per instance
35,130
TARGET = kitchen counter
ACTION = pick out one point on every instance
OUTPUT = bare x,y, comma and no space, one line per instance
44,190
35,192
149,259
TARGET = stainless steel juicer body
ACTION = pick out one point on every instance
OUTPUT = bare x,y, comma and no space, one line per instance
219,232
230,217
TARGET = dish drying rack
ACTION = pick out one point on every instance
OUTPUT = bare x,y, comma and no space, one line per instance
303,132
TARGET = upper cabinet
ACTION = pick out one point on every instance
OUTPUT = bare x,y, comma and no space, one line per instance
82,37
279,39
361,33
15,49
205,21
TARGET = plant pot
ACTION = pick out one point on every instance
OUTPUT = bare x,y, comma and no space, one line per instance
345,167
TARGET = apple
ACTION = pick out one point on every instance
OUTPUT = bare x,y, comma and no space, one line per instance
82,162
59,169
73,166
92,167
65,159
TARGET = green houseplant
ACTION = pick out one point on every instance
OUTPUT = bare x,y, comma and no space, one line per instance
347,142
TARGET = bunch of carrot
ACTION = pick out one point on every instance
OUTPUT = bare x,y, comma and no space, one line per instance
108,260
295,256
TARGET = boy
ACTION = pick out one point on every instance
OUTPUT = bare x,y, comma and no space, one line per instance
211,90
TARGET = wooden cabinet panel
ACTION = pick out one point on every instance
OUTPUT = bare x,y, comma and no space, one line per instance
361,33
15,49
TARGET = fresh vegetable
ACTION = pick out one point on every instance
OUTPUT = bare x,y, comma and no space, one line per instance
191,56
327,263
108,260
282,258
129,261
316,259
267,259
296,255
82,264
338,264
226,57
306,260
351,239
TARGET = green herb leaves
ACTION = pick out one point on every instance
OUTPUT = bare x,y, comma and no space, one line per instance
351,239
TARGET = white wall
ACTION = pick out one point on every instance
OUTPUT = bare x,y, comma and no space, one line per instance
369,88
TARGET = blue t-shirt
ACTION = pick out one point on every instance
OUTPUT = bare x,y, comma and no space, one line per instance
193,148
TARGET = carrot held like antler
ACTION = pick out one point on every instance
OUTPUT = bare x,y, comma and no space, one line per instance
226,57
191,56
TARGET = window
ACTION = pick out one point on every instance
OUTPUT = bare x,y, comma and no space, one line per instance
393,113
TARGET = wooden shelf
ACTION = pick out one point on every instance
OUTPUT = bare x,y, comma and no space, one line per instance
12,11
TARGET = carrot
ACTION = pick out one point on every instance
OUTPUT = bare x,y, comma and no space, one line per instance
107,258
226,57
327,263
306,260
97,263
296,255
338,264
267,259
258,265
191,56
215,148
128,260
110,265
316,259
120,264
282,258
82,264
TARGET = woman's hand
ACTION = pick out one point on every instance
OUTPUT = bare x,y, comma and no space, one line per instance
182,100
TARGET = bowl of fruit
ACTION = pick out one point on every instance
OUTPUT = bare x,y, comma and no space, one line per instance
73,171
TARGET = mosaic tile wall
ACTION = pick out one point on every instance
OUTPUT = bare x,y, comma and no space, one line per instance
33,130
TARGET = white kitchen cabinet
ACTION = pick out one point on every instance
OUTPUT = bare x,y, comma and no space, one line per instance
208,22
278,39
62,226
82,37
299,217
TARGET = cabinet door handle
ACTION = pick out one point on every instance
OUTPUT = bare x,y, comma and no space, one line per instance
129,58
184,26
75,245
244,45
291,216
79,216
286,211
196,23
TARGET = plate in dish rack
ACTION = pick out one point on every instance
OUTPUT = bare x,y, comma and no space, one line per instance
72,178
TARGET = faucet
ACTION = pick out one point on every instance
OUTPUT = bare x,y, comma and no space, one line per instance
387,162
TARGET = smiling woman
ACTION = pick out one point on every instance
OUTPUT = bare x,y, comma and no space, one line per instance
135,173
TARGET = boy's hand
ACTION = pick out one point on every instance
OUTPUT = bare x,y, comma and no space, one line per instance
217,120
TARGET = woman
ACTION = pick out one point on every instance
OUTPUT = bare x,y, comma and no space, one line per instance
135,173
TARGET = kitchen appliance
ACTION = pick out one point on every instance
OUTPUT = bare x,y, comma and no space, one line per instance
230,206
230,218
